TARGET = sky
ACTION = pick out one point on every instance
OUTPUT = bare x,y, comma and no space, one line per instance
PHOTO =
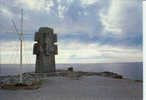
89,31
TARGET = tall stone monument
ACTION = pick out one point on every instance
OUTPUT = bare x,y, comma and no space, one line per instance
45,50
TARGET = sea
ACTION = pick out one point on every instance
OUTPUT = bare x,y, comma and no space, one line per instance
129,70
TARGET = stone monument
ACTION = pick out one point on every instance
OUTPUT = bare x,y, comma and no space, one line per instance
45,50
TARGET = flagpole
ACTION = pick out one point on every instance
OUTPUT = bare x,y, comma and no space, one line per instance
21,42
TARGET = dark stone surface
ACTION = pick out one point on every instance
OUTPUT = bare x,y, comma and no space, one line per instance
45,50
70,69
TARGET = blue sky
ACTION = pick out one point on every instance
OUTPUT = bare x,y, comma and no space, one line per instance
88,30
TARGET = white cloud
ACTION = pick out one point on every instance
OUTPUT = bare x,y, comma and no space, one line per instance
9,52
97,53
111,21
115,21
4,11
61,10
83,53
59,1
88,2
36,5
71,27
33,4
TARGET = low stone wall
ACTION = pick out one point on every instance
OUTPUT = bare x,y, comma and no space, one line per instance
33,78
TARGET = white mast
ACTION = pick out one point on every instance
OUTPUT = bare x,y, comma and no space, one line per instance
20,38
0,59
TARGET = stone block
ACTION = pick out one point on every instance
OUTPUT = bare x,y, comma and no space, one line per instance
45,50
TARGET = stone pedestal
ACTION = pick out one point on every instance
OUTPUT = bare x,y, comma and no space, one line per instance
45,50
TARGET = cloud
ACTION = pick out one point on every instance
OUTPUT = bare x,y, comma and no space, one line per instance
106,53
121,19
113,29
37,5
111,20
88,2
9,52
72,52
4,11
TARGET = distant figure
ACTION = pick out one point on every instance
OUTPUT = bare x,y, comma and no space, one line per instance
45,50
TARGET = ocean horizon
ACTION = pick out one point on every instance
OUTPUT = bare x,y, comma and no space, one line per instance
130,70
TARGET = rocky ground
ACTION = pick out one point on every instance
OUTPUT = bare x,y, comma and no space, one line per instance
67,85
33,78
